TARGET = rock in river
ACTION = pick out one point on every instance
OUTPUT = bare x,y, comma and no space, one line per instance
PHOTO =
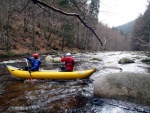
127,86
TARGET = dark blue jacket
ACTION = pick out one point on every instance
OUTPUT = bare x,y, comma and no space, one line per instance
35,63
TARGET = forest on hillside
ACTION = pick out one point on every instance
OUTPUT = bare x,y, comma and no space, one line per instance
50,24
138,31
141,31
126,29
34,25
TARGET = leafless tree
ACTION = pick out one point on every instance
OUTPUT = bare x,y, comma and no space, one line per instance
39,3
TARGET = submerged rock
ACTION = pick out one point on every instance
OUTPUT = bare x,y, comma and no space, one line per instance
97,59
133,87
146,60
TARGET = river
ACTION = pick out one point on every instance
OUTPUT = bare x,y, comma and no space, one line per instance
73,96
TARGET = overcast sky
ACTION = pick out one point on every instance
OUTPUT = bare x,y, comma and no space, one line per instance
118,12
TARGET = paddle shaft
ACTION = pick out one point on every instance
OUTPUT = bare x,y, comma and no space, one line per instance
28,69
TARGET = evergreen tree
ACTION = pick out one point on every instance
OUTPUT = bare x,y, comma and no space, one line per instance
94,6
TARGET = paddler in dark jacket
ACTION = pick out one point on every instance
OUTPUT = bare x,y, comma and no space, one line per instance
35,62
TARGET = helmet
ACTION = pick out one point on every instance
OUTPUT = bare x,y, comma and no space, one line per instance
35,56
68,54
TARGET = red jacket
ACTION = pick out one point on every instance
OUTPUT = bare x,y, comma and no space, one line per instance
69,62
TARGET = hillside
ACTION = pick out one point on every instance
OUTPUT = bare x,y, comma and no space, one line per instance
125,29
30,28
20,44
27,27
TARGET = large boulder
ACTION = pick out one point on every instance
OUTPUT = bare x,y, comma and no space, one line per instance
133,87
126,60
49,58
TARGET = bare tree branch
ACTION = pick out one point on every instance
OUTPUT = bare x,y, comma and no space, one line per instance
25,6
68,14
78,8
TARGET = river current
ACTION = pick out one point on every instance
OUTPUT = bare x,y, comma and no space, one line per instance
72,96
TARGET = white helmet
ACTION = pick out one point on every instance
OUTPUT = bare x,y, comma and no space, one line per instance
68,54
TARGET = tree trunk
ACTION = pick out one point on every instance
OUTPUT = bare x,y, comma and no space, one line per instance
33,28
7,29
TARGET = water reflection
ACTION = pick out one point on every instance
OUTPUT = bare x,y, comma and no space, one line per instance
76,96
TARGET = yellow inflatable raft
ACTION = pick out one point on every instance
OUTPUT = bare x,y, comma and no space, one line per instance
50,74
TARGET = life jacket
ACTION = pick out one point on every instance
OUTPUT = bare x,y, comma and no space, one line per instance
69,63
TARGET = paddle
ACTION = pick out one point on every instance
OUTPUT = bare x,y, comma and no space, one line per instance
28,70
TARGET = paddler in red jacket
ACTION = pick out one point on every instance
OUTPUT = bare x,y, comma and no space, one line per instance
69,62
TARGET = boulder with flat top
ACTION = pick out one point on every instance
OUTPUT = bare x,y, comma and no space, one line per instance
127,86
